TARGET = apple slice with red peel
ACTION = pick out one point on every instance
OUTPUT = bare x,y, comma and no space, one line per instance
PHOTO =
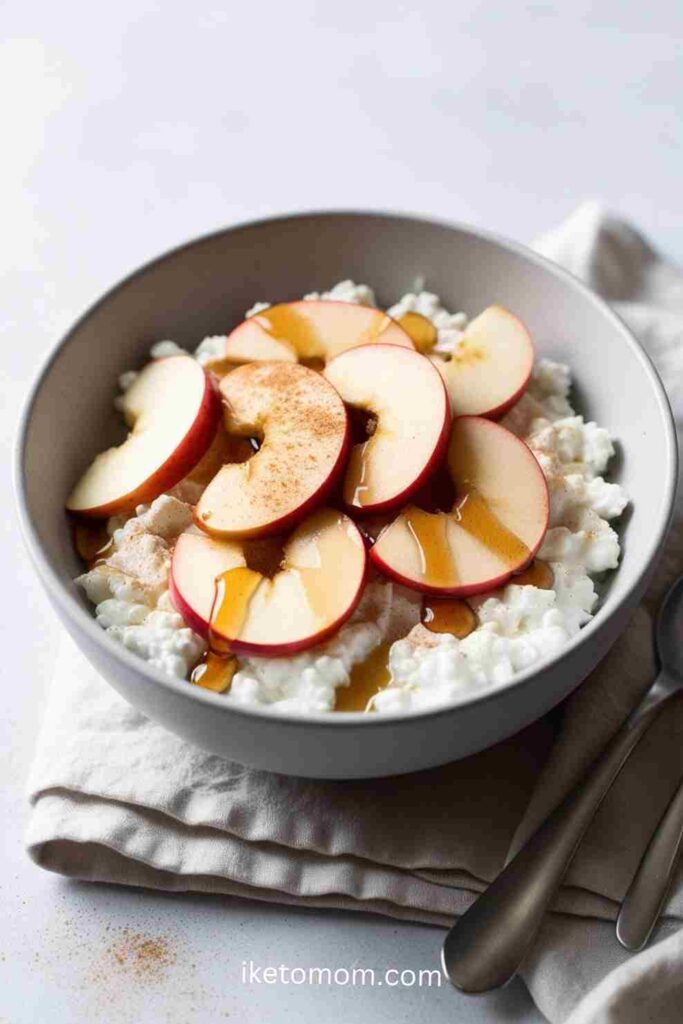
197,562
173,411
302,425
490,366
311,330
495,524
410,418
309,596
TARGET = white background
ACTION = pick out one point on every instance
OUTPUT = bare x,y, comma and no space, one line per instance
129,127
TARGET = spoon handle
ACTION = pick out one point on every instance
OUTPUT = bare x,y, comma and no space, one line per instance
650,887
487,945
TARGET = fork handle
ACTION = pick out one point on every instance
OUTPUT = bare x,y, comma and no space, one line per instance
650,887
487,945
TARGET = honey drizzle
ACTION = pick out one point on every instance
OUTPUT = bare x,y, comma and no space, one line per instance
429,531
368,678
234,590
421,331
474,515
291,327
214,672
538,574
286,324
446,616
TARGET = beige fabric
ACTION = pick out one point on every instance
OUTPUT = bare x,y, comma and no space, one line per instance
117,798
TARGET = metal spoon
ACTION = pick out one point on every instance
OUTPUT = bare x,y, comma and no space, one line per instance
652,882
487,945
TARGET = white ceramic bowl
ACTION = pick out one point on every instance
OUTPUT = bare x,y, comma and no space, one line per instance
204,288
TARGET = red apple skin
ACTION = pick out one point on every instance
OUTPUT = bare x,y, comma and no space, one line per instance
193,448
200,626
467,590
499,410
460,591
361,512
292,519
192,619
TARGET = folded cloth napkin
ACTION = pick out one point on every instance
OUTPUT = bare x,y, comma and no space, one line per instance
117,798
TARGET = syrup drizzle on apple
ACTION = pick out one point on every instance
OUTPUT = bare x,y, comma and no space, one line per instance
286,323
235,588
429,532
475,516
234,591
270,596
471,512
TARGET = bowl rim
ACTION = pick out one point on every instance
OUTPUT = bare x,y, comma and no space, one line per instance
81,619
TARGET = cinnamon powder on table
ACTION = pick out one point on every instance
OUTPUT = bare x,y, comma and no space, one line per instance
145,957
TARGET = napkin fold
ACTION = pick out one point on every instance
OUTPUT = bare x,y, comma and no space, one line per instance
117,798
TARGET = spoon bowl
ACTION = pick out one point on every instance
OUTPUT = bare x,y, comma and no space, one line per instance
669,634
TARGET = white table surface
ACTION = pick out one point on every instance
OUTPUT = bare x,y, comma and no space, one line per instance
129,127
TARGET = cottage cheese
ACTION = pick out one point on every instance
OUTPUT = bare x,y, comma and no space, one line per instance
347,291
130,589
210,348
518,625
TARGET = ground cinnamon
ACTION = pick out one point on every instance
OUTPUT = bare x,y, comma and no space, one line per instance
145,957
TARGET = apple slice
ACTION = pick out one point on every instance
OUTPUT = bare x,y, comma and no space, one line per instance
410,420
311,330
303,428
492,529
198,560
173,411
490,366
243,611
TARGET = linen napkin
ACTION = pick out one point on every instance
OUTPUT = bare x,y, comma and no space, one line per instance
117,798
